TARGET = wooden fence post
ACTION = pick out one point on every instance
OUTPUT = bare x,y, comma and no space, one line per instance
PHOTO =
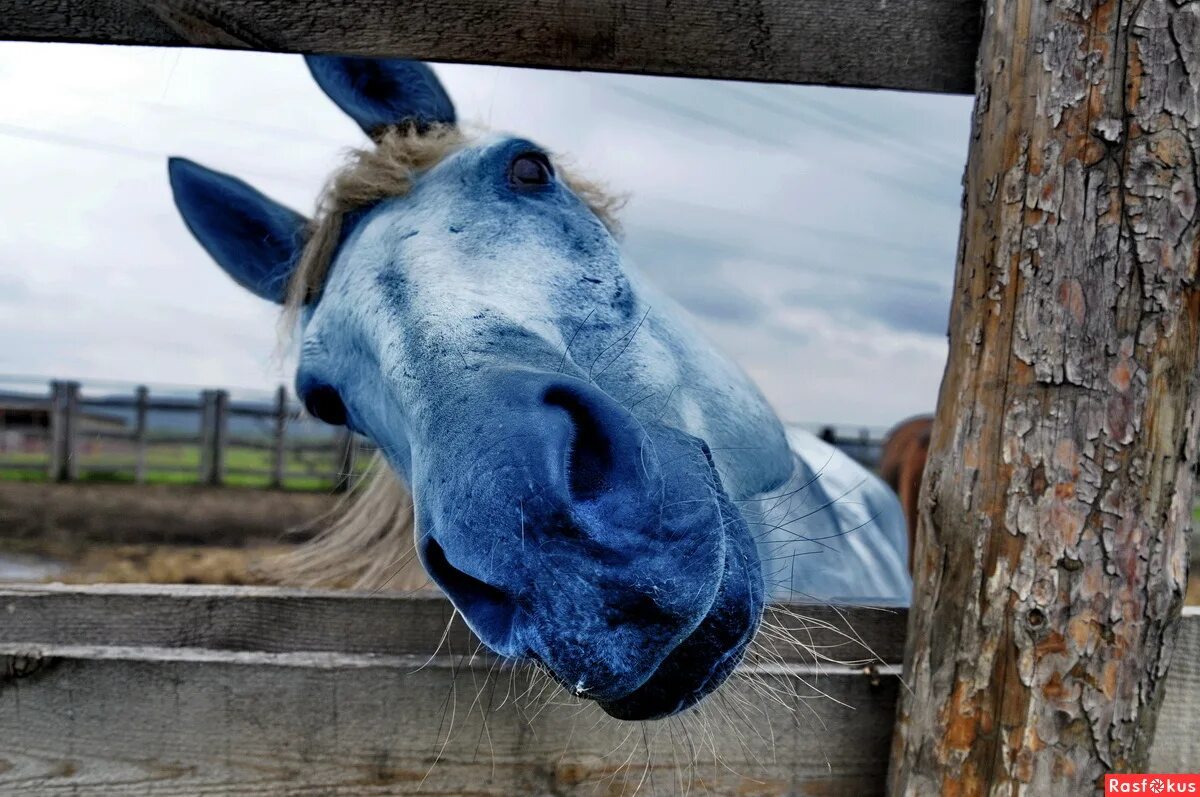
55,430
206,425
141,411
69,467
1050,556
279,440
220,436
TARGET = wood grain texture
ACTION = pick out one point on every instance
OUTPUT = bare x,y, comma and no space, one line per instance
1176,746
142,690
205,690
925,46
1051,555
280,620
82,725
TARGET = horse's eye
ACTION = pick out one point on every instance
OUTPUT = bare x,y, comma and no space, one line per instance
324,404
530,169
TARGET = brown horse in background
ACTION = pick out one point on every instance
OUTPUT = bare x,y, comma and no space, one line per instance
902,464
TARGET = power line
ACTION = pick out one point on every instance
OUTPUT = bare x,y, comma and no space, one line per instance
840,120
757,136
55,138
792,263
835,234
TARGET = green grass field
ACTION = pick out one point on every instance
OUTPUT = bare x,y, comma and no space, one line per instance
180,464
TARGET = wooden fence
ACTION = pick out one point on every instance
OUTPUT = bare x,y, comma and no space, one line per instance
67,433
863,446
216,690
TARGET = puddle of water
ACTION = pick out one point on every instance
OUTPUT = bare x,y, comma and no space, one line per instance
22,567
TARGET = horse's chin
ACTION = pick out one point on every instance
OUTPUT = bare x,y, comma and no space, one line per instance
710,654
693,671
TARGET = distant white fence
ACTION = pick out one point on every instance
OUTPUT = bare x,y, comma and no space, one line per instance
69,425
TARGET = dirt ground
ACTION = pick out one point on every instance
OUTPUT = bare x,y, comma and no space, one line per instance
72,514
162,534
165,534
158,564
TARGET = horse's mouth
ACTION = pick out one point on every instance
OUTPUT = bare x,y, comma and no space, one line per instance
710,654
688,675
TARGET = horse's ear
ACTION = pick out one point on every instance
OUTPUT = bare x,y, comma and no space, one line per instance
377,92
255,239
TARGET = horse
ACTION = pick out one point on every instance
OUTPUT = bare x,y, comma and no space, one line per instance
902,465
592,485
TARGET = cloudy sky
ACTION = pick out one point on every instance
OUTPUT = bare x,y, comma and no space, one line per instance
812,230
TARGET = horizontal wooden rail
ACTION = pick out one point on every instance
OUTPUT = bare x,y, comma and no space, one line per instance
281,620
171,440
248,410
113,468
267,444
21,465
115,403
309,448
921,45
190,690
187,690
126,402
242,409
127,467
107,434
260,444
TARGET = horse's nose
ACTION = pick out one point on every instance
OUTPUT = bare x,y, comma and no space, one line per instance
555,475
602,449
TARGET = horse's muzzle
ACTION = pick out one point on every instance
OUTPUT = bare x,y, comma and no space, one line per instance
566,531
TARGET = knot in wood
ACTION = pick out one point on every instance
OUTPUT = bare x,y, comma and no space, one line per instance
20,666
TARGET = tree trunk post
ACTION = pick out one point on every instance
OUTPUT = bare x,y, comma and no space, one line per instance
1051,557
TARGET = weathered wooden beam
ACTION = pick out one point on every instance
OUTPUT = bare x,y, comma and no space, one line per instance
170,723
1051,559
280,620
211,690
921,45
216,690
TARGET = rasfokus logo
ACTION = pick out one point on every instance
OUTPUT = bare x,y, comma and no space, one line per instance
1151,784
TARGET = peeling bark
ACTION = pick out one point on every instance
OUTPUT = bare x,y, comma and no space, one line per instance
1051,554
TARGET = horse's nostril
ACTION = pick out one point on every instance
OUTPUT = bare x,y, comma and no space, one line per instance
489,611
591,463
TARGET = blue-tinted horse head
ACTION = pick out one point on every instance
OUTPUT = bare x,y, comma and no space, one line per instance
574,449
